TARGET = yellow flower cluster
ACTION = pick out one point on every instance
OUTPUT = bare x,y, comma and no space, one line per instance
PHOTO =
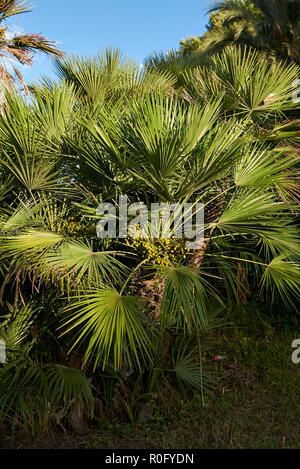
72,226
3,32
161,251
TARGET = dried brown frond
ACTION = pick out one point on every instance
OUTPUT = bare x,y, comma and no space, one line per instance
21,47
20,55
21,80
36,42
6,77
13,7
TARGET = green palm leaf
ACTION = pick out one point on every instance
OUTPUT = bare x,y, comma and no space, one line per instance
184,302
111,324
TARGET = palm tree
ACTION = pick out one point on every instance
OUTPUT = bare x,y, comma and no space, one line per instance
21,47
70,299
271,26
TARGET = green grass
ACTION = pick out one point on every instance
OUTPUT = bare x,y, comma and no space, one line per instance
255,405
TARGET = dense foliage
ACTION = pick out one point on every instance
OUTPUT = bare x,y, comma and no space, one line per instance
87,319
270,26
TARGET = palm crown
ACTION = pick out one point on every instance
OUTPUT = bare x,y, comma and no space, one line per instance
20,47
106,129
272,27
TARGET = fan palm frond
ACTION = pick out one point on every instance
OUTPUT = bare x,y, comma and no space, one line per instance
32,394
110,323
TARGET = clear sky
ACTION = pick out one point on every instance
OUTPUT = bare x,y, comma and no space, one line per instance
137,27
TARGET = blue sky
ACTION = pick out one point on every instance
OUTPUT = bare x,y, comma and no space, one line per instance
136,27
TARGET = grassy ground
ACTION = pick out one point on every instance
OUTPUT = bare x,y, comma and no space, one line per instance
256,403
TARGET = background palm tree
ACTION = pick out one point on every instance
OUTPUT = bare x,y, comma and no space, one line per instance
20,47
271,26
